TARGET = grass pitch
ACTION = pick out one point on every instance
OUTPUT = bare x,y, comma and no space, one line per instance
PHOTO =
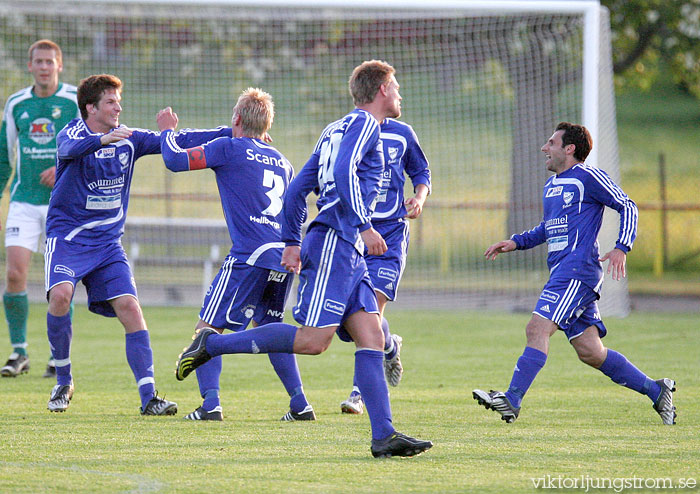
574,423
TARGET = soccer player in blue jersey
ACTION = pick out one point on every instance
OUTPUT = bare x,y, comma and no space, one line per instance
32,118
574,199
252,178
85,222
402,155
334,287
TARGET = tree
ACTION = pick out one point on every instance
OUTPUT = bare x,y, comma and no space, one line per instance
650,35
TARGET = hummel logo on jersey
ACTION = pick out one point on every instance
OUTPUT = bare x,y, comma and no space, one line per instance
254,346
545,308
24,115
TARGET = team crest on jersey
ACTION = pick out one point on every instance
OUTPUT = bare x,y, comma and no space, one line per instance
554,191
42,130
56,112
124,160
568,196
393,152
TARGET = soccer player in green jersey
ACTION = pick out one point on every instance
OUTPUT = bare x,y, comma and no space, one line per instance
31,119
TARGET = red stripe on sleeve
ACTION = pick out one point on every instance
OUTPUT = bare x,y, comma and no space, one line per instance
196,158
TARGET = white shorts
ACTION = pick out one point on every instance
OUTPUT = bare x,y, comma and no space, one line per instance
26,224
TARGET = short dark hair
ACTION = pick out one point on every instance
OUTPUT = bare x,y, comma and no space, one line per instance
366,79
46,44
91,89
577,135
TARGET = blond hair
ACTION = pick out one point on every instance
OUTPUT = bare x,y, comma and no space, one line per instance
256,109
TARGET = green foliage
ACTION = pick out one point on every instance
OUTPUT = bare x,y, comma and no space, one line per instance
648,33
574,421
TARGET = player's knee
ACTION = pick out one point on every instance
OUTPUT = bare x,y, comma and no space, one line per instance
591,356
535,332
59,302
312,347
16,278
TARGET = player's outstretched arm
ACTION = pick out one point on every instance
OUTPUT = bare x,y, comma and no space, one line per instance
499,248
616,266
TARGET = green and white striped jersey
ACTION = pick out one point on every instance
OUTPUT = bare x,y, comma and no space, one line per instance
29,129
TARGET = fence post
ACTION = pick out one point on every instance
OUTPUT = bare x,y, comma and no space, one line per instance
661,259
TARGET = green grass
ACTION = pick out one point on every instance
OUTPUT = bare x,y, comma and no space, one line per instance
575,421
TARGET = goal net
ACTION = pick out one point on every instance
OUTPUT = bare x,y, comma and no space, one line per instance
483,85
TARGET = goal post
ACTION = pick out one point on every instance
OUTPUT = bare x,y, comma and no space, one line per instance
483,82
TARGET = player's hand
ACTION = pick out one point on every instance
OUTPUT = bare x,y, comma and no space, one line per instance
414,205
118,134
48,177
167,119
499,248
291,259
267,138
414,208
616,265
376,246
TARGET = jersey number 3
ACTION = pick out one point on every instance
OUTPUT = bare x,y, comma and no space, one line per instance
276,186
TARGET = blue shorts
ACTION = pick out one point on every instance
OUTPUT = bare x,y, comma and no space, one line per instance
104,271
241,292
333,283
571,305
386,270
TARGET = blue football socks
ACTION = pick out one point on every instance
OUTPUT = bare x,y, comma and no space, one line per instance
275,337
60,333
389,347
369,373
624,373
287,369
526,369
208,376
140,359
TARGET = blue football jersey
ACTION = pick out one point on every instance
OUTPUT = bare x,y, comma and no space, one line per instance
402,156
90,199
252,178
345,170
573,203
